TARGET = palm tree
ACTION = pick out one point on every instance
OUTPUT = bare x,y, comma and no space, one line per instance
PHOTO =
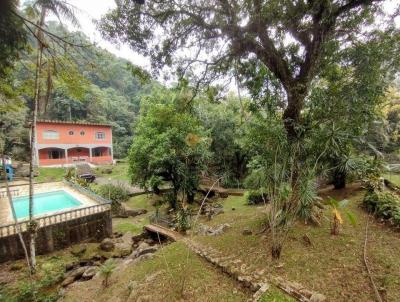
41,8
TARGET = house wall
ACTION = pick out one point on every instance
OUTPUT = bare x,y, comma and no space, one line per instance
64,138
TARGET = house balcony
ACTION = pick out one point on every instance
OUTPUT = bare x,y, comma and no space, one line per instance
76,155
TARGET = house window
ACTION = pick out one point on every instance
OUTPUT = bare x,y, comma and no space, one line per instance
51,134
82,133
100,135
71,132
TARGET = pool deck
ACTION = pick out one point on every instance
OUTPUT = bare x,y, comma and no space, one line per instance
23,190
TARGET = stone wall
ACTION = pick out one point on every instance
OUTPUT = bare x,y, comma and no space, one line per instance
58,236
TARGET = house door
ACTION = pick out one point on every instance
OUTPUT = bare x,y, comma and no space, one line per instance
55,154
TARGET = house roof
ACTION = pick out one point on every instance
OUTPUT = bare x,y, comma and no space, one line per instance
73,123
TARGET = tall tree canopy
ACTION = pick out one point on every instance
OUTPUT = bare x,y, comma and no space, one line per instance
292,40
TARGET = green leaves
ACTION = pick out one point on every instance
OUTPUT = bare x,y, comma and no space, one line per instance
169,145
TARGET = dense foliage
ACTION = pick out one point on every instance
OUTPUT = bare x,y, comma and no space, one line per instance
385,205
169,144
84,84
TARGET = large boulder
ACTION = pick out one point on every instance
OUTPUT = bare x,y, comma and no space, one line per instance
89,273
122,249
78,250
107,245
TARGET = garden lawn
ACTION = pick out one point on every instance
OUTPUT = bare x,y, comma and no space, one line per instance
332,265
135,224
50,174
119,171
173,275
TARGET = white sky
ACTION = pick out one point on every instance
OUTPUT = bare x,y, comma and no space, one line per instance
94,9
87,10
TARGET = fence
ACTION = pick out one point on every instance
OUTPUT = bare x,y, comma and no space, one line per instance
13,192
103,206
11,229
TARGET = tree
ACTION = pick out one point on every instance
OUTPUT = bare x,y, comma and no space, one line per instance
169,145
39,9
12,35
344,112
222,119
293,39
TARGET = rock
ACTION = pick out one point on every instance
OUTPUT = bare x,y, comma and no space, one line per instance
67,281
317,298
78,250
143,245
76,273
150,249
71,266
247,232
206,230
123,249
89,273
86,262
127,238
107,245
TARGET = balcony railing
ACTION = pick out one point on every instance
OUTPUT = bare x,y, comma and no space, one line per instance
76,160
12,229
103,206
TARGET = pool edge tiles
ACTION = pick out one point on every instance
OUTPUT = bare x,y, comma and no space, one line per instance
46,203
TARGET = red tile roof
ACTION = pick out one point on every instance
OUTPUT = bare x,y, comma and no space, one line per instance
73,123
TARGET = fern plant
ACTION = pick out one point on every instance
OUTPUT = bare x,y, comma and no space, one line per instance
106,271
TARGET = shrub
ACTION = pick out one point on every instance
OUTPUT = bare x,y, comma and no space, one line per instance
106,271
116,193
255,197
384,205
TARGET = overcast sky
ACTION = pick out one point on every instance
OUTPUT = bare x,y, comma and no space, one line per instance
87,10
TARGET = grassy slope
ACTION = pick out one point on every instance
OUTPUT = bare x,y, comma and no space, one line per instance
135,224
332,265
202,282
50,174
119,171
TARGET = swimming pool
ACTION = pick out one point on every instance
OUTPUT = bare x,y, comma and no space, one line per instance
44,203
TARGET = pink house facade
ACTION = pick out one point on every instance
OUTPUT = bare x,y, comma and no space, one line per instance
63,143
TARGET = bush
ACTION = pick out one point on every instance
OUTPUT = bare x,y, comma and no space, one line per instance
255,197
384,205
116,193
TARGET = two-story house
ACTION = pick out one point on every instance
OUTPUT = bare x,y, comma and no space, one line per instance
60,143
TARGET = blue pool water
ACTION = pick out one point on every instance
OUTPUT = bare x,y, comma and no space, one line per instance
44,203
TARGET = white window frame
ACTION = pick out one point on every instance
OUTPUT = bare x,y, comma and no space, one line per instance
51,134
100,135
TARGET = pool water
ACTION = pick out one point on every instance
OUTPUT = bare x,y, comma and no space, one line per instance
44,203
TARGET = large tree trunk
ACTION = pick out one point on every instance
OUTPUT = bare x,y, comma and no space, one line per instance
32,224
339,179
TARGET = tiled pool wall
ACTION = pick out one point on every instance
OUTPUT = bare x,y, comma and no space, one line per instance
76,228
94,227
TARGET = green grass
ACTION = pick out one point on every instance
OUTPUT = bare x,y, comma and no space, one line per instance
50,174
167,277
135,225
143,201
332,265
275,295
394,178
119,171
